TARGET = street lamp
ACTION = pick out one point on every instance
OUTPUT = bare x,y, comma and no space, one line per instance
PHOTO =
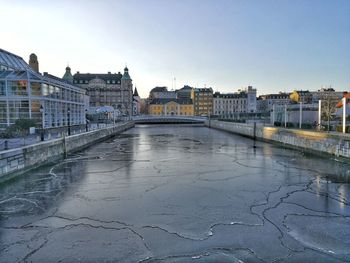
68,115
106,118
42,134
86,121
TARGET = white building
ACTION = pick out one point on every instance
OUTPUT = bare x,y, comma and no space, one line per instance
25,93
265,102
231,103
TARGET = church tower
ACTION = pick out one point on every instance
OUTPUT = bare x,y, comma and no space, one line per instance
68,75
127,90
33,62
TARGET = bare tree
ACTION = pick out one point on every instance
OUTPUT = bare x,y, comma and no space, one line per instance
328,108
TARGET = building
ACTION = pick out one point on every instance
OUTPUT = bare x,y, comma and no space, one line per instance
172,107
136,104
109,89
303,96
203,101
25,93
265,102
227,104
186,92
144,106
243,101
161,93
326,94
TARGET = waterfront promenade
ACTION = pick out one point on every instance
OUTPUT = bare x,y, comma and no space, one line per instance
179,194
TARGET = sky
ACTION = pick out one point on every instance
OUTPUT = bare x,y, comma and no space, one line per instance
279,45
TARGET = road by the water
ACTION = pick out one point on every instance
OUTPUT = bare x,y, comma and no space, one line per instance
179,194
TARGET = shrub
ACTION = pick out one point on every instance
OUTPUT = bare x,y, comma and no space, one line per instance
22,125
306,126
7,133
277,123
339,128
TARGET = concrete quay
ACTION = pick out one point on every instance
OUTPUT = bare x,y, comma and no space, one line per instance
19,160
335,144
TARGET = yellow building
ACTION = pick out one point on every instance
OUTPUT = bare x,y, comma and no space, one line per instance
203,101
172,107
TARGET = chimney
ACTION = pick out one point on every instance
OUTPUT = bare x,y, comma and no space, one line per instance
33,62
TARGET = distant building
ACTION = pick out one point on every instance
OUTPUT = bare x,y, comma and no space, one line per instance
243,101
265,102
109,89
326,93
203,101
144,106
161,93
172,107
25,93
136,105
226,104
186,92
251,99
303,96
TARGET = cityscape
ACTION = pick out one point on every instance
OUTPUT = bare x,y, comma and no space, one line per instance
175,132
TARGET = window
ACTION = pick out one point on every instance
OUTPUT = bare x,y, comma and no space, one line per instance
35,88
18,87
2,88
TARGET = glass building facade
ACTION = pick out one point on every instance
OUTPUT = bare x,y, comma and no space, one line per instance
25,93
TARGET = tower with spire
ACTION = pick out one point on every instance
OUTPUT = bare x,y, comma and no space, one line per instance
127,91
136,103
68,75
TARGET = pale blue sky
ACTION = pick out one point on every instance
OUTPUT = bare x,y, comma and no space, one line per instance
275,45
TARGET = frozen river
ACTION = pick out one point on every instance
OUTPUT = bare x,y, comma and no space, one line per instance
179,194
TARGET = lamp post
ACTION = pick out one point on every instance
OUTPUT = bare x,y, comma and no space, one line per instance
68,115
42,134
86,121
106,118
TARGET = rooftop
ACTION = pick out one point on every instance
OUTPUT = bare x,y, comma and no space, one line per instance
12,61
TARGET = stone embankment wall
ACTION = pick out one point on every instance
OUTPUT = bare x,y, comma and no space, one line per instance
336,144
22,159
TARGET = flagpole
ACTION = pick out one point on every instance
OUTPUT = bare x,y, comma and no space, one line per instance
300,114
319,114
344,115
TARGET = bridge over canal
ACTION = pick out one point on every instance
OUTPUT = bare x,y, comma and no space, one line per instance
146,119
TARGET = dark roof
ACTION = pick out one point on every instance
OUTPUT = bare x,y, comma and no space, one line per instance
186,87
280,95
159,89
164,101
230,95
203,90
12,61
89,76
135,92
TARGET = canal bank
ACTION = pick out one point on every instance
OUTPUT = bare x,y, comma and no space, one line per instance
335,144
16,161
